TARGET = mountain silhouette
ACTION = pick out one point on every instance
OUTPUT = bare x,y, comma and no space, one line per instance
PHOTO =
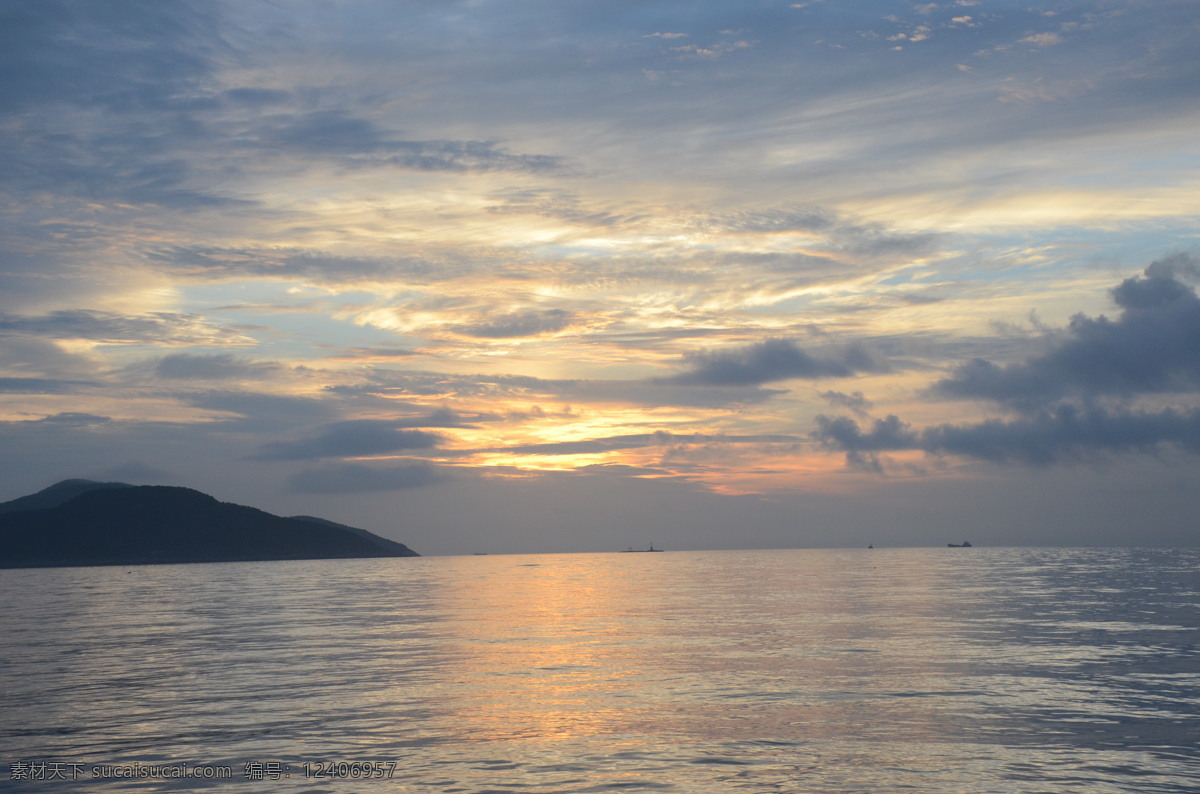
81,522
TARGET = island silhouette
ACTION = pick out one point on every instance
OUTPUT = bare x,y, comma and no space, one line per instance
83,522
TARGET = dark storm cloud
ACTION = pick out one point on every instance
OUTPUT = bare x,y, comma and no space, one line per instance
519,324
773,360
351,438
1153,346
216,366
357,478
167,328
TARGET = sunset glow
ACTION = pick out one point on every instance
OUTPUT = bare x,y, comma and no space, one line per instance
377,261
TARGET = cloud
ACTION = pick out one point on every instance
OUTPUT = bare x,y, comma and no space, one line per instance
1061,434
519,324
256,97
855,401
124,169
43,385
794,219
216,366
351,438
120,55
1075,401
884,434
843,235
288,264
442,417
72,419
163,328
463,156
1152,347
638,441
123,102
90,95
358,478
773,360
22,355
360,141
1067,433
713,51
1047,39
260,411
875,240
663,392
559,204
374,353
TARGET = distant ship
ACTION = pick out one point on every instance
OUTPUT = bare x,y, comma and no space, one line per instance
966,544
631,548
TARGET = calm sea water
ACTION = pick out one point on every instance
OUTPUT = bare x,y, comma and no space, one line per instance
930,670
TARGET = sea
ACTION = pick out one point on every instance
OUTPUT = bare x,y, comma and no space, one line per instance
857,670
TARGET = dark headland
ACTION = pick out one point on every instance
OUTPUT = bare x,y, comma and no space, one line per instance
81,522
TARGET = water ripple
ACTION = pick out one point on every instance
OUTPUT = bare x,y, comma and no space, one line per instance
1055,670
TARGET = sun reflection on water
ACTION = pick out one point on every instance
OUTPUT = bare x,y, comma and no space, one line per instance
560,647
551,648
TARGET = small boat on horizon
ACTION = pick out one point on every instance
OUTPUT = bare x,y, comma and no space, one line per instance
631,548
966,544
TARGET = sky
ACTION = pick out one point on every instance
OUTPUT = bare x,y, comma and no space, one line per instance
528,276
